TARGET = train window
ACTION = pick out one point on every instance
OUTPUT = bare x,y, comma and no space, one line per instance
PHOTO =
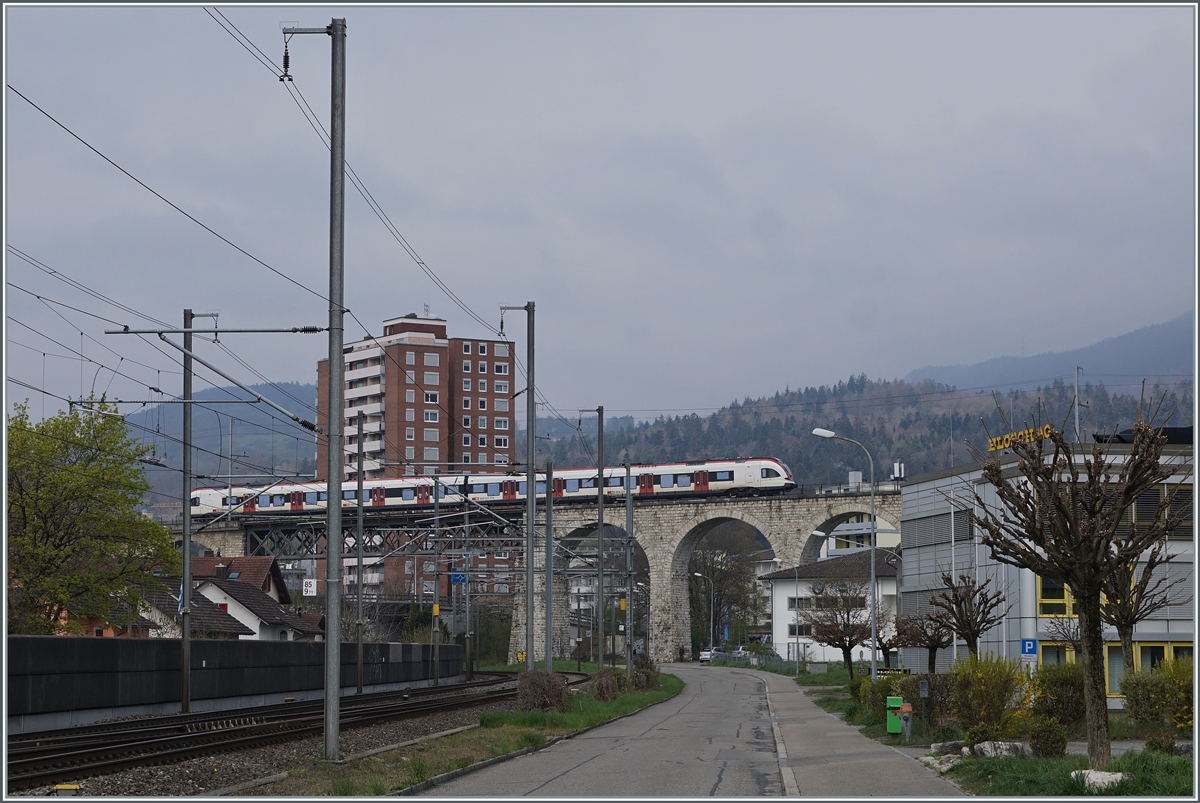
229,500
541,488
310,498
408,494
683,480
614,482
493,489
478,489
572,486
587,482
521,487
195,501
722,476
277,500
768,473
666,481
349,494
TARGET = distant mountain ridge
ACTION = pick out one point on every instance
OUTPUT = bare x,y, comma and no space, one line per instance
1158,351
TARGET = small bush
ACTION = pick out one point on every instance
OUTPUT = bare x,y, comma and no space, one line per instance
1058,693
981,732
1179,701
872,696
855,685
1146,696
991,694
542,690
1162,742
939,706
645,673
607,684
1048,738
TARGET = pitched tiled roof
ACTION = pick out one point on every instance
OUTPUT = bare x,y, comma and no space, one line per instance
205,616
251,569
855,566
262,605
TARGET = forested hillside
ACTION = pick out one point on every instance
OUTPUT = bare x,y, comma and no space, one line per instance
923,425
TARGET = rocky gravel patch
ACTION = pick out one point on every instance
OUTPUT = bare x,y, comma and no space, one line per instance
203,776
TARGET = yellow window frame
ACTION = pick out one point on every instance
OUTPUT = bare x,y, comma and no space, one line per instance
1108,646
1137,652
1044,603
1069,653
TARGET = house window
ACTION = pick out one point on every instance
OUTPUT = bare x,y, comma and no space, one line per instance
431,434
410,453
410,358
482,422
483,440
99,631
1054,598
501,459
410,396
1054,653
483,349
797,631
410,414
483,386
431,378
466,421
466,348
501,405
431,416
466,366
501,423
501,367
467,385
501,387
1115,669
501,350
283,635
431,453
410,433
466,458
410,377
432,359
483,367
501,441
466,440
466,402
431,397
483,404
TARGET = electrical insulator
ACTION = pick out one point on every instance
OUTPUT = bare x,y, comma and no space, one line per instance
287,60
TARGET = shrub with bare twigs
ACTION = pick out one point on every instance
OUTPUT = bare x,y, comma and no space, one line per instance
542,690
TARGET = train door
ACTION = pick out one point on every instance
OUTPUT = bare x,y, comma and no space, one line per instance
560,486
508,489
297,500
700,480
378,496
251,504
645,483
423,494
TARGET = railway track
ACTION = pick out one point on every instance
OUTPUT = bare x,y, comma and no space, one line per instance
47,757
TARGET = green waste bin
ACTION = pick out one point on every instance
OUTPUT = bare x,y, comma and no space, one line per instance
894,723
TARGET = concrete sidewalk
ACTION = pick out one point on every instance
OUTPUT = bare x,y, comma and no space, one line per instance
832,759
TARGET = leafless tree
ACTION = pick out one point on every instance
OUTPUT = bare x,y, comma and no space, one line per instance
968,609
924,631
1061,515
1131,597
839,617
1065,629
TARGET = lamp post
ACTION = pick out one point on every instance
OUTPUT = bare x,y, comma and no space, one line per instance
711,599
825,433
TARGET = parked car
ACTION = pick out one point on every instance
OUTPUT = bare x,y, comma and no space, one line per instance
741,654
705,655
719,654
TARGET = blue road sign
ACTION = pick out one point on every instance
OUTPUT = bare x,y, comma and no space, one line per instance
458,578
1028,646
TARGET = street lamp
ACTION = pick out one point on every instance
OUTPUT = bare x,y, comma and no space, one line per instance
711,598
825,433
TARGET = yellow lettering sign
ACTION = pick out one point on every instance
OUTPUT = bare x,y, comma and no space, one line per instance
1023,436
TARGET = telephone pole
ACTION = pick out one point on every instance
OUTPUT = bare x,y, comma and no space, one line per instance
185,582
600,535
530,479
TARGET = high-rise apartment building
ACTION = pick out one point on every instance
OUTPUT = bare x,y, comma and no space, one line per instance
428,401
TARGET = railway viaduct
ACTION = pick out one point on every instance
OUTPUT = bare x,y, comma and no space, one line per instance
666,530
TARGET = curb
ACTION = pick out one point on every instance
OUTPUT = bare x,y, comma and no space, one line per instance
790,787
458,773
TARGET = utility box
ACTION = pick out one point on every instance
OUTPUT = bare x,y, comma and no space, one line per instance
894,724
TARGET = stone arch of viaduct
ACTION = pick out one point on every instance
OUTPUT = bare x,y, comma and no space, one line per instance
668,532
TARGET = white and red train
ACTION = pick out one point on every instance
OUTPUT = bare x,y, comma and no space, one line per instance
741,476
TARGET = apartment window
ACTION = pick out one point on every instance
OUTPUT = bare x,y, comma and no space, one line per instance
501,386
431,378
483,404
501,441
431,416
410,471
482,421
410,453
501,423
410,396
483,386
466,458
501,350
410,358
466,439
467,385
501,405
501,459
483,348
431,397
466,403
483,440
466,348
410,377
410,433
466,421
796,631
1054,598
431,453
410,414
431,434
501,367
466,366
432,358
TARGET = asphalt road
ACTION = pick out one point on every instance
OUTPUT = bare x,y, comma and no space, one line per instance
713,740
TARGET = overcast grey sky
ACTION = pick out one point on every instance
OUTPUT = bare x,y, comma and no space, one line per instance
705,203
